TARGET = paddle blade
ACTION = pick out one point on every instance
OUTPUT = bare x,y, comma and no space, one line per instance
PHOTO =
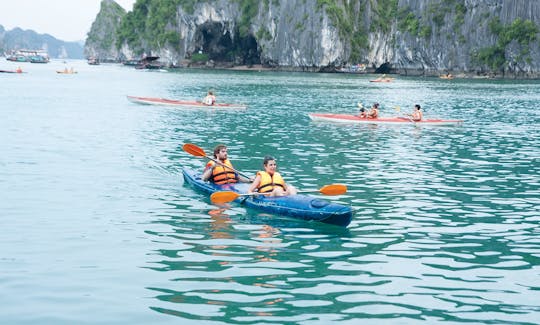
333,189
397,108
194,150
223,197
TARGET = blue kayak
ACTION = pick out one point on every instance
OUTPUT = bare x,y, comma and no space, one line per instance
299,206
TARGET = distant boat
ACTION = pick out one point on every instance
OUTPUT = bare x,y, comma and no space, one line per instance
34,56
66,71
447,76
355,68
150,62
183,103
93,61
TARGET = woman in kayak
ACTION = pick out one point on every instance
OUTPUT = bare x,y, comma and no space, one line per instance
417,113
270,181
374,111
210,99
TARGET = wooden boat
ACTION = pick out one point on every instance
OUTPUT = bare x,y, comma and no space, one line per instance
344,118
303,207
182,103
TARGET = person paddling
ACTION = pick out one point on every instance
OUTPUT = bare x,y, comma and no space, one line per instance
270,181
374,111
417,113
222,173
210,98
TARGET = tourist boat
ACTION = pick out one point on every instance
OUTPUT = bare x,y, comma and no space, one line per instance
304,207
34,56
345,118
355,68
182,103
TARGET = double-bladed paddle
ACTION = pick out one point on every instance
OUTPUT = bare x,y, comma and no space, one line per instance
228,196
199,152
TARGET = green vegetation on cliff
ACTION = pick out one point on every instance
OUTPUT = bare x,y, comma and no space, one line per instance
151,25
347,18
522,32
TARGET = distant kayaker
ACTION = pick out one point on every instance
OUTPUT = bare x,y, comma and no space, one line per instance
417,113
270,181
18,70
210,98
374,111
223,172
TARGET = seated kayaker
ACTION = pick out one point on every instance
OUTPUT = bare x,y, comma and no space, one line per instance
222,172
210,99
270,181
374,111
417,113
362,113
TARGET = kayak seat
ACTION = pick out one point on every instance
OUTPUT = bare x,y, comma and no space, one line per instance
317,203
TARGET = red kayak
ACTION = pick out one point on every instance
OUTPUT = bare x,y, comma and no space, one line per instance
182,103
344,118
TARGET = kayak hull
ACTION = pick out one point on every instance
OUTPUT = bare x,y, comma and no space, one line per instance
182,103
344,118
302,207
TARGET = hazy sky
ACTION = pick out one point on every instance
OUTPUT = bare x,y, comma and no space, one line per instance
67,20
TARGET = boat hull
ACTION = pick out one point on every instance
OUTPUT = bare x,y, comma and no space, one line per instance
302,207
182,103
344,118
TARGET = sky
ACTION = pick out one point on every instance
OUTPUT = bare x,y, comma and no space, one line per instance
67,20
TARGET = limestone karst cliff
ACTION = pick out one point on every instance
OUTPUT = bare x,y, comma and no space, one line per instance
101,41
498,37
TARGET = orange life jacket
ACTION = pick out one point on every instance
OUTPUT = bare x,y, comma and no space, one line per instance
222,175
268,183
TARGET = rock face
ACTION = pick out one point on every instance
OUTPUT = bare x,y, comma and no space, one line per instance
405,36
101,40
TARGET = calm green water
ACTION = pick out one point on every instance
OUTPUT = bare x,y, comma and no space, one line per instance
99,228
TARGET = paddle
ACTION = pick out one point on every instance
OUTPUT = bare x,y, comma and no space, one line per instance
199,152
228,196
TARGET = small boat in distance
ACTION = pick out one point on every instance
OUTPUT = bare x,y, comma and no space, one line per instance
182,103
93,61
384,78
66,71
398,120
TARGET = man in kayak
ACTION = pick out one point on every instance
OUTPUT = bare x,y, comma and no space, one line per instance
270,181
417,113
374,111
222,172
210,99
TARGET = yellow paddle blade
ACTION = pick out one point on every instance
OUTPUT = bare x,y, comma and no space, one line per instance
194,150
223,197
397,108
360,105
333,189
